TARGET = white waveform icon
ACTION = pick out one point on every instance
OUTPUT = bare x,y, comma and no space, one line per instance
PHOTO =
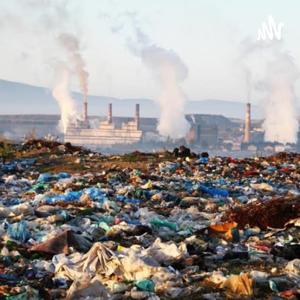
270,30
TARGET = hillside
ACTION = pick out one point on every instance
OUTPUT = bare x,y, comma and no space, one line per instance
19,98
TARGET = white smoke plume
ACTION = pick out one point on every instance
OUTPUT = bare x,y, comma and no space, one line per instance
248,78
272,74
71,43
49,21
281,124
64,99
170,71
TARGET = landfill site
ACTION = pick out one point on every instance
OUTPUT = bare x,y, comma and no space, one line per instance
77,224
149,150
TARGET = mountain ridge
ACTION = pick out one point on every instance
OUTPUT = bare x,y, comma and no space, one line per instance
21,98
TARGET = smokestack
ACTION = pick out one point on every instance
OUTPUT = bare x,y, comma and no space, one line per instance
137,116
85,108
109,116
247,123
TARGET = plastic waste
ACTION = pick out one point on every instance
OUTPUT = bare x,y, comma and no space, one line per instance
39,187
9,279
19,231
95,194
63,175
61,244
273,286
29,294
149,223
239,285
45,177
163,223
104,226
124,199
262,186
214,192
85,288
168,167
202,160
293,267
72,196
145,285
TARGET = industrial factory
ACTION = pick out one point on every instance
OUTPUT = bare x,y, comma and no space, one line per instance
108,132
206,131
114,133
254,137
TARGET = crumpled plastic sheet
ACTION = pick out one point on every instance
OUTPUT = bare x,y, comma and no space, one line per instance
19,231
99,259
86,288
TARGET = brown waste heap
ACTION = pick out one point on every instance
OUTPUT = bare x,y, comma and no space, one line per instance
271,213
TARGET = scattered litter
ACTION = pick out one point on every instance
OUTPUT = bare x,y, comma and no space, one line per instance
79,225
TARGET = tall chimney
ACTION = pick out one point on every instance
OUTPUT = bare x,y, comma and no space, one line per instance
109,116
247,123
85,108
137,116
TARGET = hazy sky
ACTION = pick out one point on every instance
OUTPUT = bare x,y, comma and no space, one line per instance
206,34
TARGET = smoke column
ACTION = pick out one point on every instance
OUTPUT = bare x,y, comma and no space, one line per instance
48,19
72,45
281,124
170,72
248,84
272,74
66,103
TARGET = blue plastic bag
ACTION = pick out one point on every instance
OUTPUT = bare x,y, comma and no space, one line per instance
202,160
19,231
96,194
9,167
63,175
214,192
45,177
72,196
124,199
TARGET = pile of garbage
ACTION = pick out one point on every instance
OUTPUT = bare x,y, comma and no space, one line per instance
52,145
169,225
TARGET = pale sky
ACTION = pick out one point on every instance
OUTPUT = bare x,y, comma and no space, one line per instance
206,34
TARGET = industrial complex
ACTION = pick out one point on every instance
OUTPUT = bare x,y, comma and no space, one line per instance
206,131
107,133
211,132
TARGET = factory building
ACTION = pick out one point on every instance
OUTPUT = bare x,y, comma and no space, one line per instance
207,130
254,137
202,135
204,129
108,133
